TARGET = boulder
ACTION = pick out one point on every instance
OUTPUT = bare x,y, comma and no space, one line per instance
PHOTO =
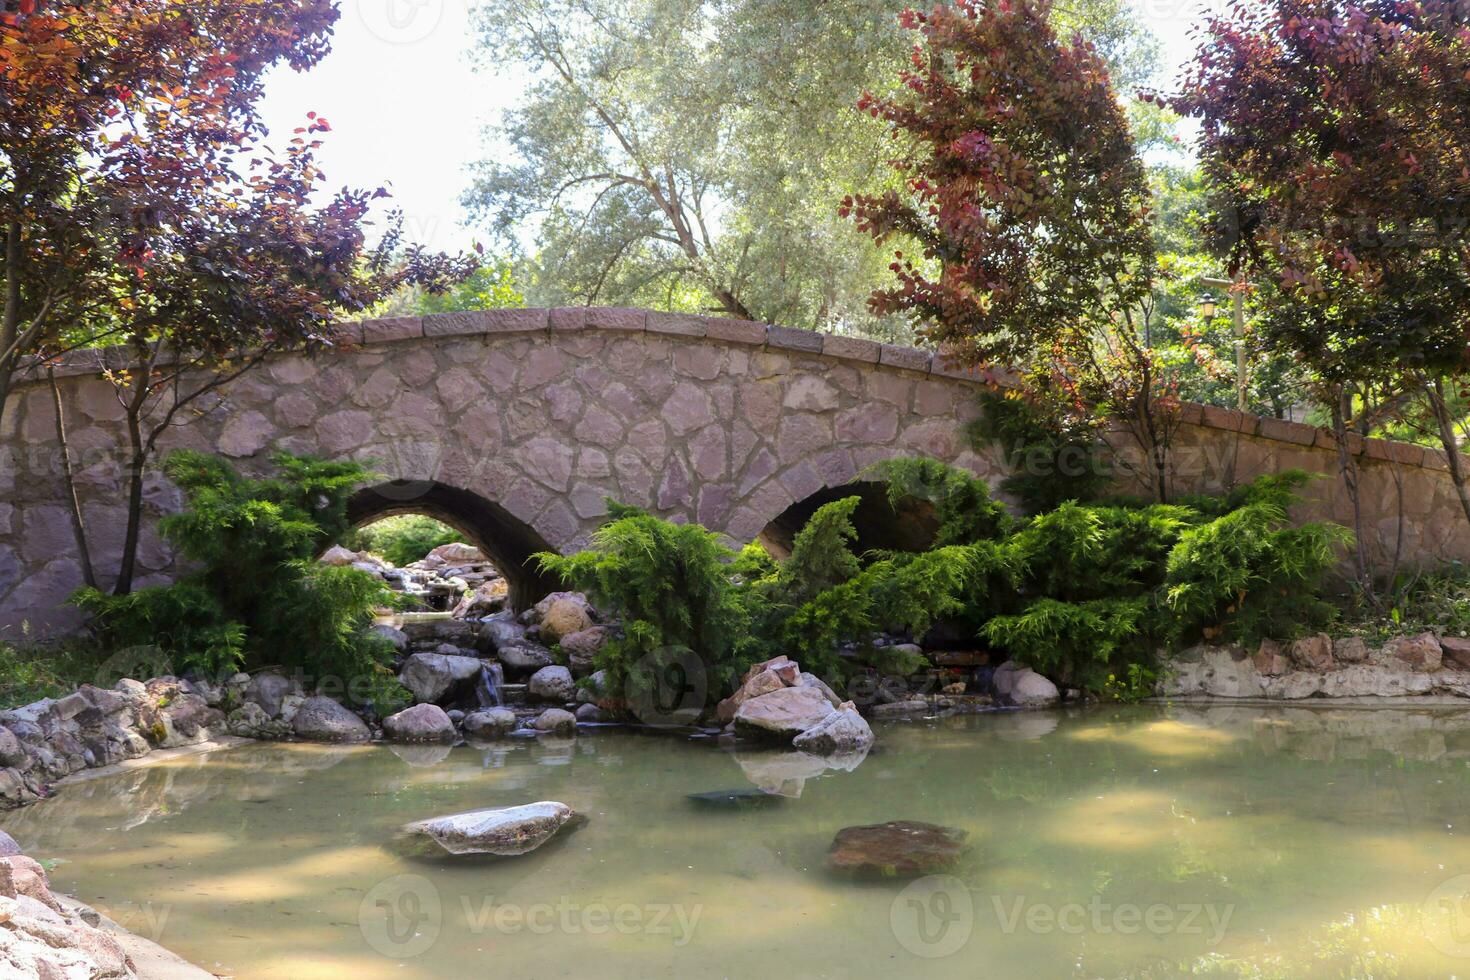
1313,652
1269,659
844,730
582,648
338,557
897,849
393,635
1375,680
1422,653
900,709
552,684
772,664
1350,650
458,553
562,614
250,721
782,715
268,691
12,753
1456,650
1294,686
487,598
590,713
765,682
490,723
524,658
420,723
506,832
8,846
501,630
812,680
22,877
324,720
555,720
1031,690
429,677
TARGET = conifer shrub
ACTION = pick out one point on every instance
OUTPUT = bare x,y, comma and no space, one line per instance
257,597
1053,459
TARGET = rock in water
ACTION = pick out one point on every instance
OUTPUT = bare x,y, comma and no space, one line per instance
735,799
431,676
505,832
844,730
324,720
490,723
556,720
552,683
783,714
421,723
897,849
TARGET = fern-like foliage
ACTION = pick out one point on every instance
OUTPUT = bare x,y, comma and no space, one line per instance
821,554
1078,641
962,502
1053,460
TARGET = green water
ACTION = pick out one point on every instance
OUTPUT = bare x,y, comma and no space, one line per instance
1144,841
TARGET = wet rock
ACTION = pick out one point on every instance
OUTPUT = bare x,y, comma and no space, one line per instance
324,720
1313,652
552,684
555,720
1269,659
507,832
562,614
430,677
782,715
735,799
1422,653
524,658
844,730
897,849
590,713
490,723
420,723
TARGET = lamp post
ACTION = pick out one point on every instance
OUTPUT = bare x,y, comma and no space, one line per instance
1237,309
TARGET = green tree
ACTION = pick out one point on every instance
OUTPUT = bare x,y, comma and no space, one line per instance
688,154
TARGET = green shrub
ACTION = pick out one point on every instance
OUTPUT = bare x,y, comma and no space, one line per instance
1078,642
672,589
30,676
1053,461
258,598
962,503
404,539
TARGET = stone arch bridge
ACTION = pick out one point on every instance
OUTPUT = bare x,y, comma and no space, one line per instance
514,425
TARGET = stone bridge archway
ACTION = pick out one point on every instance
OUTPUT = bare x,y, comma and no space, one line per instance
541,414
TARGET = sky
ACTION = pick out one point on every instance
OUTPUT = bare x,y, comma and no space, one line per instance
408,111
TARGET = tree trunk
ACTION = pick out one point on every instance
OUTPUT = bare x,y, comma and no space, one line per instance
1441,409
74,503
138,459
1348,468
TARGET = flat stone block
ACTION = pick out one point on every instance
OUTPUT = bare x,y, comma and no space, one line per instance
851,349
1228,419
736,331
617,318
677,324
567,318
1191,413
1403,453
788,338
908,358
391,329
474,322
1280,430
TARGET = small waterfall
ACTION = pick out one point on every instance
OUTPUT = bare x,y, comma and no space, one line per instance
487,686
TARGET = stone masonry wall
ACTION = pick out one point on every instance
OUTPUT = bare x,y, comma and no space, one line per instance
515,424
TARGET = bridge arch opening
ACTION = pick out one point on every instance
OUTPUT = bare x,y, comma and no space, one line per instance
908,526
504,539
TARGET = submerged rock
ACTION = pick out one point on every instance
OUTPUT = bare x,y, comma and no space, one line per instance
735,799
324,720
506,832
897,849
420,723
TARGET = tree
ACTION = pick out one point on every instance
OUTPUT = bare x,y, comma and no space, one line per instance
686,154
141,206
1334,139
1029,213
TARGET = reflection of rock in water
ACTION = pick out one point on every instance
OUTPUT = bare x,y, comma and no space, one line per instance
1340,732
1025,726
421,756
786,773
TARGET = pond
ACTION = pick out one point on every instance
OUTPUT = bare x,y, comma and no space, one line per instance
1146,841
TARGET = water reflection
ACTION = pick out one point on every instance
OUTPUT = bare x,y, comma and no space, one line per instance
1326,839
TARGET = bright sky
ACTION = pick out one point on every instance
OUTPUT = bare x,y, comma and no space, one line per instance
407,110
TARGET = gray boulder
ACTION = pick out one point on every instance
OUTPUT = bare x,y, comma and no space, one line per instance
269,691
506,832
324,720
1033,690
524,658
555,720
501,630
420,723
552,684
431,676
844,730
782,715
490,723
